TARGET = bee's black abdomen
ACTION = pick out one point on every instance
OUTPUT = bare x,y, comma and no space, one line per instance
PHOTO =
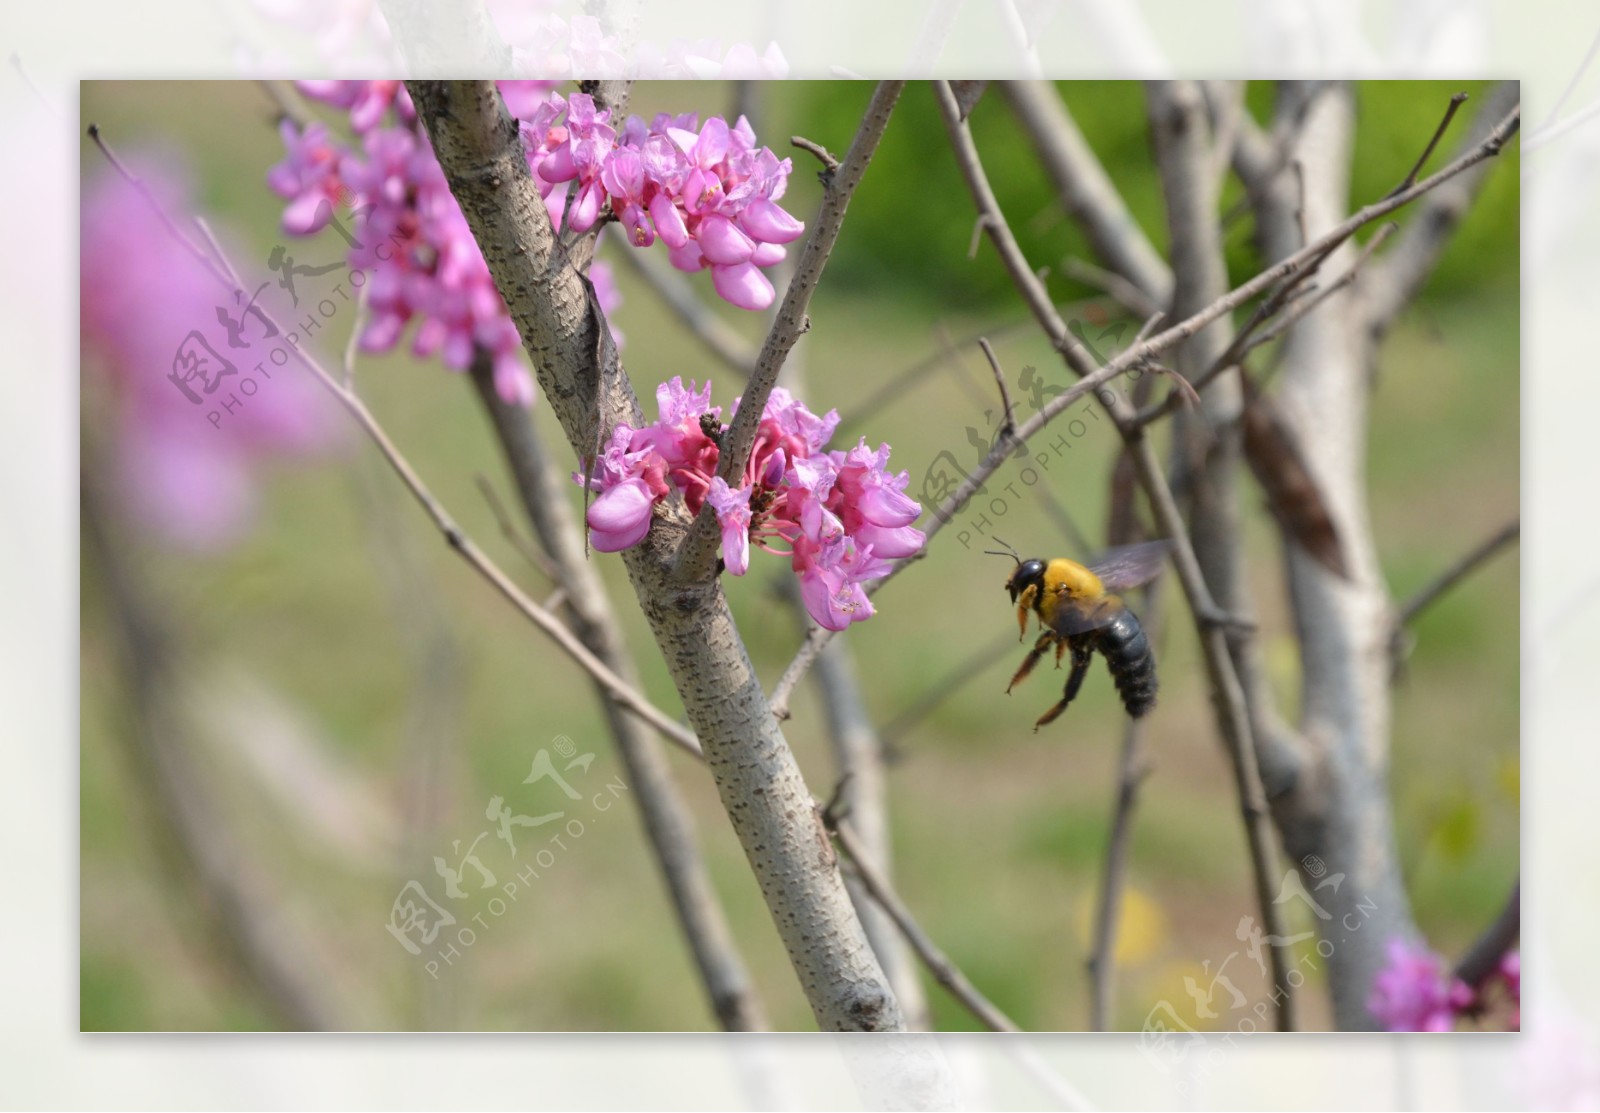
1133,666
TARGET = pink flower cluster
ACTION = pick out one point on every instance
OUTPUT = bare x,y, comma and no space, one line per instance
708,192
1415,992
405,228
841,515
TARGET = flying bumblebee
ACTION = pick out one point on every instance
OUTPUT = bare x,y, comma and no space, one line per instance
1077,611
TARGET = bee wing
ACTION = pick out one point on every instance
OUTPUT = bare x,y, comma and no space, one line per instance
1128,566
1073,617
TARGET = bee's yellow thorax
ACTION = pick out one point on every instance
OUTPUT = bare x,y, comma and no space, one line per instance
1067,580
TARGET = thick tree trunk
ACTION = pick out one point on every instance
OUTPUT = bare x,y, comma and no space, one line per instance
1333,807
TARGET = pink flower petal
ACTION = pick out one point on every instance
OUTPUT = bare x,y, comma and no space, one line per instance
770,222
743,285
620,518
721,241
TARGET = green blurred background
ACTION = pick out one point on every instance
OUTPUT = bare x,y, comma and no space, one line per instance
344,639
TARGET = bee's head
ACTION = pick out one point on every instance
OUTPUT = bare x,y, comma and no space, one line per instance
1028,573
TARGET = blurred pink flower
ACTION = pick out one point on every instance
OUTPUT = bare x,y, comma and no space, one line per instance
1416,992
176,352
309,177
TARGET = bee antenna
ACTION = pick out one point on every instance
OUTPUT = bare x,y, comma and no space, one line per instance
1009,551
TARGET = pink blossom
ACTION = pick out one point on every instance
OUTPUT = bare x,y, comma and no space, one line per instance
839,517
631,479
426,275
620,517
1415,992
709,192
743,285
874,506
368,101
733,514
309,177
831,579
624,178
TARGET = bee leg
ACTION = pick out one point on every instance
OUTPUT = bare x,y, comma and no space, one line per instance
1061,648
1081,656
1040,648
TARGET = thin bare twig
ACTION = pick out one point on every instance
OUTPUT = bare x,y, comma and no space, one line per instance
1302,306
1427,152
1126,294
458,541
1008,427
1394,279
944,971
1459,571
830,165
508,530
697,557
354,343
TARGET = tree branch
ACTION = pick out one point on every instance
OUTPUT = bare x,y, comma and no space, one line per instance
1400,639
1395,278
1484,957
1208,446
1085,189
668,822
1334,809
756,775
1457,572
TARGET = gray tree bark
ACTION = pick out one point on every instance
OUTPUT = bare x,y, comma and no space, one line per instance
1330,797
